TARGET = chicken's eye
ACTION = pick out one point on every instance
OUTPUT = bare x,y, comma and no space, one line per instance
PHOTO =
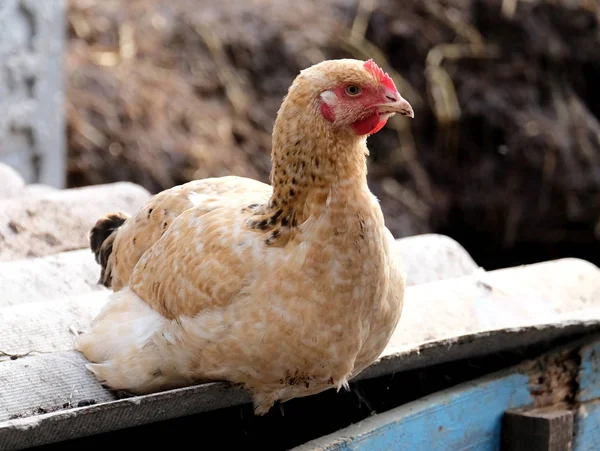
353,90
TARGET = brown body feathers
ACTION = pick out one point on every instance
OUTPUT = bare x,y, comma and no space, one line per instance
287,289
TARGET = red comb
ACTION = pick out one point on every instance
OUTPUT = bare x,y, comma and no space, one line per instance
383,77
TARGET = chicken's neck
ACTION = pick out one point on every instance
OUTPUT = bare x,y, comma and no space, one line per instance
312,167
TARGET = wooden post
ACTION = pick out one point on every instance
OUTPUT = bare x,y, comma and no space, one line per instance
543,429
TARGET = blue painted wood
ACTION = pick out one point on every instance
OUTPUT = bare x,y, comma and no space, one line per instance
467,417
587,427
589,373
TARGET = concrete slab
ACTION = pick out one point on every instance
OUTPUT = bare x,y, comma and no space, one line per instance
39,189
492,300
45,383
44,327
42,298
431,256
11,182
53,222
69,273
48,278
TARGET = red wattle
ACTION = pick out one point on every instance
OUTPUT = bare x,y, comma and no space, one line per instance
369,125
379,126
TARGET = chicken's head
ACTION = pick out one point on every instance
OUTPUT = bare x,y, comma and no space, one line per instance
355,95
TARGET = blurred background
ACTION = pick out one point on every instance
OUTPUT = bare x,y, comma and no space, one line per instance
503,154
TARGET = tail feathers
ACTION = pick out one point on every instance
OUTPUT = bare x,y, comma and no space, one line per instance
102,237
131,347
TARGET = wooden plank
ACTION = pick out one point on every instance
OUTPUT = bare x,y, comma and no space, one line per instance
468,416
589,373
546,429
587,427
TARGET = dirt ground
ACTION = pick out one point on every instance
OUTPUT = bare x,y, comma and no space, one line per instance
503,153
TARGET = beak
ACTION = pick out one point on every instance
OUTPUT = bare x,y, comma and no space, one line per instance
396,104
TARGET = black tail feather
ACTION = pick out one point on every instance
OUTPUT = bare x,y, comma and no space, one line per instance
102,237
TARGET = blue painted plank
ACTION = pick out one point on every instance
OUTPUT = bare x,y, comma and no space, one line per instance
587,427
467,417
589,373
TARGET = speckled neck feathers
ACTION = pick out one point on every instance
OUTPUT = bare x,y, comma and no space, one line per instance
311,163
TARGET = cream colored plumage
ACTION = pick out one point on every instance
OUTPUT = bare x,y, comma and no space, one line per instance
287,289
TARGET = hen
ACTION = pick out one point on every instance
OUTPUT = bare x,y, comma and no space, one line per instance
287,290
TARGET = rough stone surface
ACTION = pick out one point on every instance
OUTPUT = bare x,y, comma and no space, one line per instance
45,279
46,383
32,129
494,300
41,327
11,182
43,298
426,258
59,221
432,257
38,189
